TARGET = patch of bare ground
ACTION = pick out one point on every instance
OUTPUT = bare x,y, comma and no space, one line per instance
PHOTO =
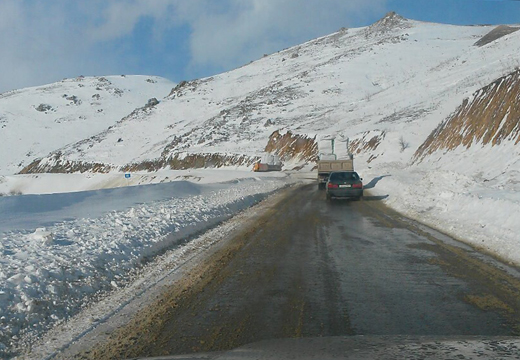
56,164
174,162
191,161
292,146
369,141
491,116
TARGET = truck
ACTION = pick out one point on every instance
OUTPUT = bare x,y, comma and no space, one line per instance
268,163
325,167
328,162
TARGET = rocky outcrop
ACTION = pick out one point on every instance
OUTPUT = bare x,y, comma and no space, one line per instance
289,146
390,22
43,108
490,117
152,102
184,87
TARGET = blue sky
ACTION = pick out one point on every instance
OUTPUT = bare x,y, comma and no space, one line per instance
46,41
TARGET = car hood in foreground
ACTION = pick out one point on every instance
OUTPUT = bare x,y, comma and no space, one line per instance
369,347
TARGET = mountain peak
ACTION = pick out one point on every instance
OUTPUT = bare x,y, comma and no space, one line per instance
393,15
390,20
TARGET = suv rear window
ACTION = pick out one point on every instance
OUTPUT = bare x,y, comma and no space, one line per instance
344,176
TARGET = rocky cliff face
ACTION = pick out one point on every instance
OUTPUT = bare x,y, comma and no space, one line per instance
490,116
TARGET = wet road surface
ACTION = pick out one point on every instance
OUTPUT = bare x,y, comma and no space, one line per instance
309,267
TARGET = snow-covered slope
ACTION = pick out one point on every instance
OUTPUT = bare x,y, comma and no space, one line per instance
36,121
483,134
396,78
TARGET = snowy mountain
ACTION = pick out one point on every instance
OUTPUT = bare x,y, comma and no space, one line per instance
388,84
431,112
36,121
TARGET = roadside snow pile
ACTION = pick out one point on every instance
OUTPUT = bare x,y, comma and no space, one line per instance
42,235
48,274
481,214
77,182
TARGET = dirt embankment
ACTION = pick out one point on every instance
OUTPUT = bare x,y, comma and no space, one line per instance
192,161
288,146
291,146
368,142
490,116
175,162
55,164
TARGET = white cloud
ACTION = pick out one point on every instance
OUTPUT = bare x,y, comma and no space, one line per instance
119,18
229,33
41,42
46,41
250,28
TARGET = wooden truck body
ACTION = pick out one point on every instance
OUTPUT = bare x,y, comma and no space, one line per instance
325,167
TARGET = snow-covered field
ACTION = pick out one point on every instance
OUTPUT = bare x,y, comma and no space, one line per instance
60,183
61,252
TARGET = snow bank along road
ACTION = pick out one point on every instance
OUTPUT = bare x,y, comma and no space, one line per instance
307,267
88,244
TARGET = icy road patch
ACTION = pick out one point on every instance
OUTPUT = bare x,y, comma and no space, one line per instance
62,252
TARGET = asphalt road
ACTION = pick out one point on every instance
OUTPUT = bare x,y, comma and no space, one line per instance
309,267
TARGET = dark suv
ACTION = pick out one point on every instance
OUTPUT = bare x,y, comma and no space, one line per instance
344,184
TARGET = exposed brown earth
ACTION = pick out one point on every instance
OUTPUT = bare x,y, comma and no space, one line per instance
292,146
288,146
192,161
492,116
59,166
367,143
175,162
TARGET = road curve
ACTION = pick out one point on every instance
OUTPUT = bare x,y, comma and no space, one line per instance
309,267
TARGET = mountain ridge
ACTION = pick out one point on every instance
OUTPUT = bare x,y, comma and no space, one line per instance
372,86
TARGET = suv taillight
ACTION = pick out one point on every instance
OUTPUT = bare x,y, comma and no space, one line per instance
358,186
332,186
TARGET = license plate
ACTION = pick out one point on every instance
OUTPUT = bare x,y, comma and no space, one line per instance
345,186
